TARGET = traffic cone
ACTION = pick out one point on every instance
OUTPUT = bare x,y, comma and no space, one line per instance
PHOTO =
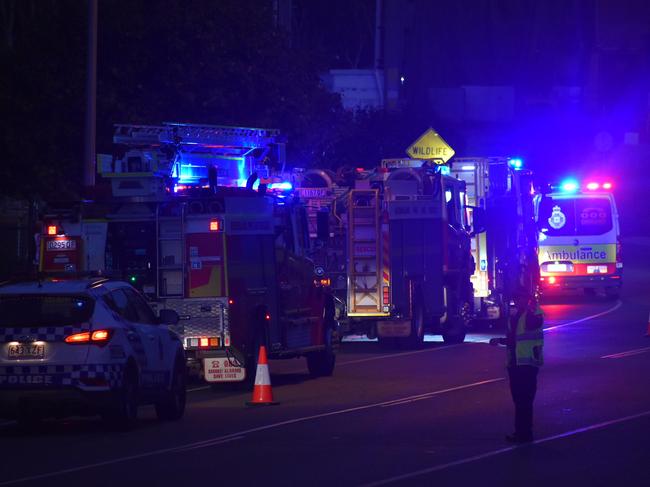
262,394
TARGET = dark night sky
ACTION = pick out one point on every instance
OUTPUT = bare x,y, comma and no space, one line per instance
579,71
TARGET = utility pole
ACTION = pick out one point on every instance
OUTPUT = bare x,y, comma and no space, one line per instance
91,99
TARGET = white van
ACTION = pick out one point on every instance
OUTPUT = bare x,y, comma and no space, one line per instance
579,240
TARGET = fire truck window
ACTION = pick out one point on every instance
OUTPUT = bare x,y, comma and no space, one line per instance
118,302
145,315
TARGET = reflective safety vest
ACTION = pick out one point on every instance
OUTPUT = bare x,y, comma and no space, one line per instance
527,339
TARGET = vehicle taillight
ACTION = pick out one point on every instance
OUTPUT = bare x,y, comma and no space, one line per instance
552,280
51,229
97,337
202,342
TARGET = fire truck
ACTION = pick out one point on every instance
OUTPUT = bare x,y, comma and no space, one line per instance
409,258
195,220
324,194
505,255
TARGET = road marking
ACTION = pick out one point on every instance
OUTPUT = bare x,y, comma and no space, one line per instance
202,388
208,444
628,353
393,355
493,453
581,320
230,437
428,395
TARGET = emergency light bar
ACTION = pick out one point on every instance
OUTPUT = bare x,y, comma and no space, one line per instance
516,163
571,186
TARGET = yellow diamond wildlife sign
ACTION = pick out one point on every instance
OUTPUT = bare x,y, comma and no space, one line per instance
430,146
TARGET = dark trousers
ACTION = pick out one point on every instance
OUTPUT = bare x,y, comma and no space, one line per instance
523,386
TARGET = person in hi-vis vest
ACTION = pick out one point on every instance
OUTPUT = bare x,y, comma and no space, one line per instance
525,343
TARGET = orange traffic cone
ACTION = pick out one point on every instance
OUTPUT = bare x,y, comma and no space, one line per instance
262,394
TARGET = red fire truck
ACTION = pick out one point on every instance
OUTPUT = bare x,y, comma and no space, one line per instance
233,261
409,258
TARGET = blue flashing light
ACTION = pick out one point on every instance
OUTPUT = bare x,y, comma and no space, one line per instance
284,186
444,170
569,185
516,163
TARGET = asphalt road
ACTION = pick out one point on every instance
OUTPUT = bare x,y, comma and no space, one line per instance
435,416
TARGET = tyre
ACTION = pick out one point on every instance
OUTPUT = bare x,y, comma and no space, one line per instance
321,363
171,406
456,328
416,339
124,414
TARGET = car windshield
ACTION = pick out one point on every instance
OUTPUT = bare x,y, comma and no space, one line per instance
41,310
575,216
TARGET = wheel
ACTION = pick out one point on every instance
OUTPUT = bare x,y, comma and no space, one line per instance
416,338
124,415
171,406
456,328
321,363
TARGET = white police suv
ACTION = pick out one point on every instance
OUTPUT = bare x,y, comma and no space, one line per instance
86,346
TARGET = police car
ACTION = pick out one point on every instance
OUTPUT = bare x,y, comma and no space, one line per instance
85,347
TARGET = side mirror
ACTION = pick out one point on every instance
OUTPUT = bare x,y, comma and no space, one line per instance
323,225
168,317
479,220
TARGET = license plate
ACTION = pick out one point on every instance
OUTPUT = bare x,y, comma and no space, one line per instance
401,328
596,269
222,370
556,267
22,351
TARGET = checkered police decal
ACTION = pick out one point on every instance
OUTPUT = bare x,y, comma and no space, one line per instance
59,375
47,334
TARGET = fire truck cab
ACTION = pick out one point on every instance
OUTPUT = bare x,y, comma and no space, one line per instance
234,262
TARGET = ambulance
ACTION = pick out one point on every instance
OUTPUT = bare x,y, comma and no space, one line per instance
579,239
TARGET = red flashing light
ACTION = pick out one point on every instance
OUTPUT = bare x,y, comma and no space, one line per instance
231,301
214,225
267,317
51,229
607,185
593,186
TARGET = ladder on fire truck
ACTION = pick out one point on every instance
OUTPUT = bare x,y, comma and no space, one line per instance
170,250
364,264
187,133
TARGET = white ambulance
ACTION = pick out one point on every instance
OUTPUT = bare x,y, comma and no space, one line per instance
579,240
